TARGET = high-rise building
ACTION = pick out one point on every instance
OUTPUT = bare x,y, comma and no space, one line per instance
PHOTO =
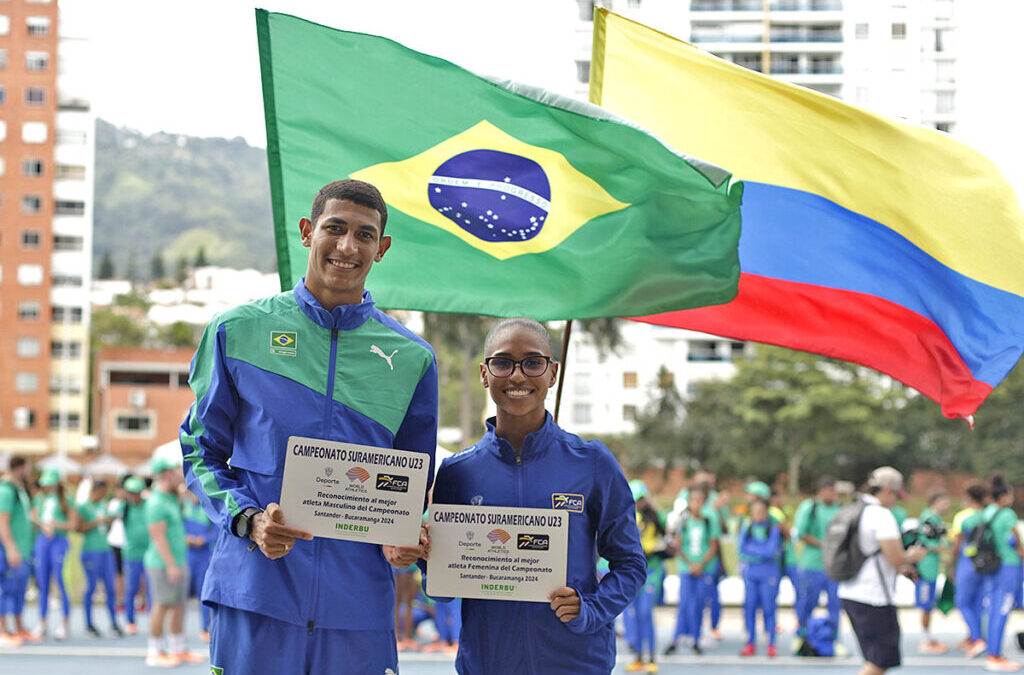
46,174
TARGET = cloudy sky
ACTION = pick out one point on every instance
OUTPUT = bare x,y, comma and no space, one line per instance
192,67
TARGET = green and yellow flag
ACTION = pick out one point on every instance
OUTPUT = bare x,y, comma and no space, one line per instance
503,200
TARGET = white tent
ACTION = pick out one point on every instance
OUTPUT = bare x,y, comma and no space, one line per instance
106,465
64,465
170,450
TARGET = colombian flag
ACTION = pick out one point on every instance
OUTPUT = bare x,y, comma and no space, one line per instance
864,239
503,200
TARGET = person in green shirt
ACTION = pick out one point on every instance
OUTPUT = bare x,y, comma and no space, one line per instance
54,517
967,594
15,552
810,523
166,563
698,542
930,521
1000,589
136,535
97,557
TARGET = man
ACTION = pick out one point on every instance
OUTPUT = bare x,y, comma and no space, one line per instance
167,568
931,520
97,556
136,534
15,552
698,539
318,361
811,522
868,597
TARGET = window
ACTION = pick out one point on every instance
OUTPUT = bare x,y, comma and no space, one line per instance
3,166
28,347
67,137
63,242
3,130
737,349
66,280
72,420
38,25
64,207
629,413
581,384
944,102
26,383
71,350
861,31
581,413
944,40
703,350
31,239
3,94
748,61
71,384
629,380
35,96
943,126
72,314
899,31
30,275
28,310
37,61
3,58
583,71
5,24
31,204
70,172
34,132
24,418
134,424
586,8
32,168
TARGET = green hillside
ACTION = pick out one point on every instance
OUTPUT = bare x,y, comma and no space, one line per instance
175,194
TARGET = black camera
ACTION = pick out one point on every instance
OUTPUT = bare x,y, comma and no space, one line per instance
925,532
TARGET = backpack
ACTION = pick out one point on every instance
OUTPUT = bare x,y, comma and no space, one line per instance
841,547
981,548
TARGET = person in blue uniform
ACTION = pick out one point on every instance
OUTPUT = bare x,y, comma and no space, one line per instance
526,460
967,595
641,611
760,546
200,535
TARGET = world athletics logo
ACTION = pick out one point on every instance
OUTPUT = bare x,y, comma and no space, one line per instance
358,473
494,196
498,536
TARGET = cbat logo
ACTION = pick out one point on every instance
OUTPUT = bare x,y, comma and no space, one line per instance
533,542
392,483
567,501
358,473
498,536
501,195
284,342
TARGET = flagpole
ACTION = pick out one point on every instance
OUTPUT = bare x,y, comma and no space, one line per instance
561,371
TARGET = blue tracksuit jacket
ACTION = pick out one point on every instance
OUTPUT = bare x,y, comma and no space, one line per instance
556,470
285,366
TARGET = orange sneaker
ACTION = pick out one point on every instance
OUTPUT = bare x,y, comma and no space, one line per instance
130,629
161,660
189,657
9,640
27,636
999,664
976,649
204,635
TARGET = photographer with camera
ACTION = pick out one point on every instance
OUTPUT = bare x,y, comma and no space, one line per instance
868,595
931,534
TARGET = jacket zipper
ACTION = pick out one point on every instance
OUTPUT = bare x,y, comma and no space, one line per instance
520,501
331,367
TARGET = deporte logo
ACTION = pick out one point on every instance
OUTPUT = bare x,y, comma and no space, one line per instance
392,482
567,501
533,542
358,473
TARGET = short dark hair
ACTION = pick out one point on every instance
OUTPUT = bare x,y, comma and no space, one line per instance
16,462
978,492
826,482
517,322
355,191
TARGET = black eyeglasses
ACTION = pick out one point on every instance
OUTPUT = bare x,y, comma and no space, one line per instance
532,366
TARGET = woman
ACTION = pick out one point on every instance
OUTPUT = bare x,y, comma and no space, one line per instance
526,460
54,518
999,589
967,594
760,547
641,611
97,558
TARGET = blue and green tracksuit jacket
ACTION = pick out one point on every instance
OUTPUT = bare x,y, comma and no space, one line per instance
285,366
556,469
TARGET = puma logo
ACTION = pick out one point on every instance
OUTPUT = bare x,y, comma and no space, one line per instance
379,352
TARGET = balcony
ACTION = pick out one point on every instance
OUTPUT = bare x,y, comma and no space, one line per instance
806,6
705,38
782,69
807,36
726,6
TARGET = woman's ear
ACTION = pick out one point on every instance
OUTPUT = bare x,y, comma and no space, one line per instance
483,375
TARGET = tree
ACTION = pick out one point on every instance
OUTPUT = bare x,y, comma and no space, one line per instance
113,328
180,334
106,270
181,270
200,258
156,267
463,336
658,427
131,271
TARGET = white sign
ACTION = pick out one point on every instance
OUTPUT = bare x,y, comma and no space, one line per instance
354,492
496,553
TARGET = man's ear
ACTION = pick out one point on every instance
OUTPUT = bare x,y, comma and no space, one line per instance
306,231
383,246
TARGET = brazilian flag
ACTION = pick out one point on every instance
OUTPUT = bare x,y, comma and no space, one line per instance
502,199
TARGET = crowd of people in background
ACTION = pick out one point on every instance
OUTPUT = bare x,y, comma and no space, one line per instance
771,541
143,540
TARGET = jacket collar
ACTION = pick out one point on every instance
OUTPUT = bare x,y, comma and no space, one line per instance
342,317
534,445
